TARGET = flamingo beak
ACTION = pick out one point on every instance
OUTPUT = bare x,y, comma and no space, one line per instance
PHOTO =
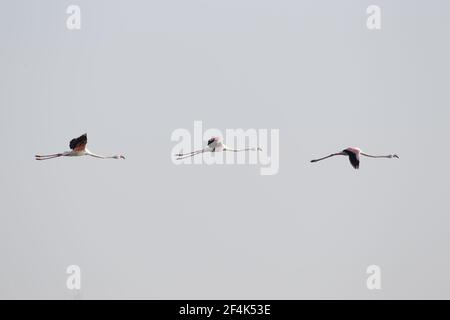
396,156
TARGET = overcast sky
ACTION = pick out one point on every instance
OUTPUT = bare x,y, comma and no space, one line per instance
146,228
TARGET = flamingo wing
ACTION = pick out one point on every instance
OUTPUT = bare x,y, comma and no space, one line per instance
78,144
353,157
212,140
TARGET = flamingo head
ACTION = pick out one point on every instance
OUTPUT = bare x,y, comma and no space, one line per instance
392,156
119,157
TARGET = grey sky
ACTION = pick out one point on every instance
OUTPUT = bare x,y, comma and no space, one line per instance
145,228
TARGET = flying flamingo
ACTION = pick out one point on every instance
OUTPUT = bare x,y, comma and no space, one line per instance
78,146
353,154
215,144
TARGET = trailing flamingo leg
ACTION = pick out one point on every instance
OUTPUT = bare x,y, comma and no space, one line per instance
188,155
47,157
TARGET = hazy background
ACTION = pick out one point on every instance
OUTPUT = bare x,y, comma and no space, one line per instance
145,228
